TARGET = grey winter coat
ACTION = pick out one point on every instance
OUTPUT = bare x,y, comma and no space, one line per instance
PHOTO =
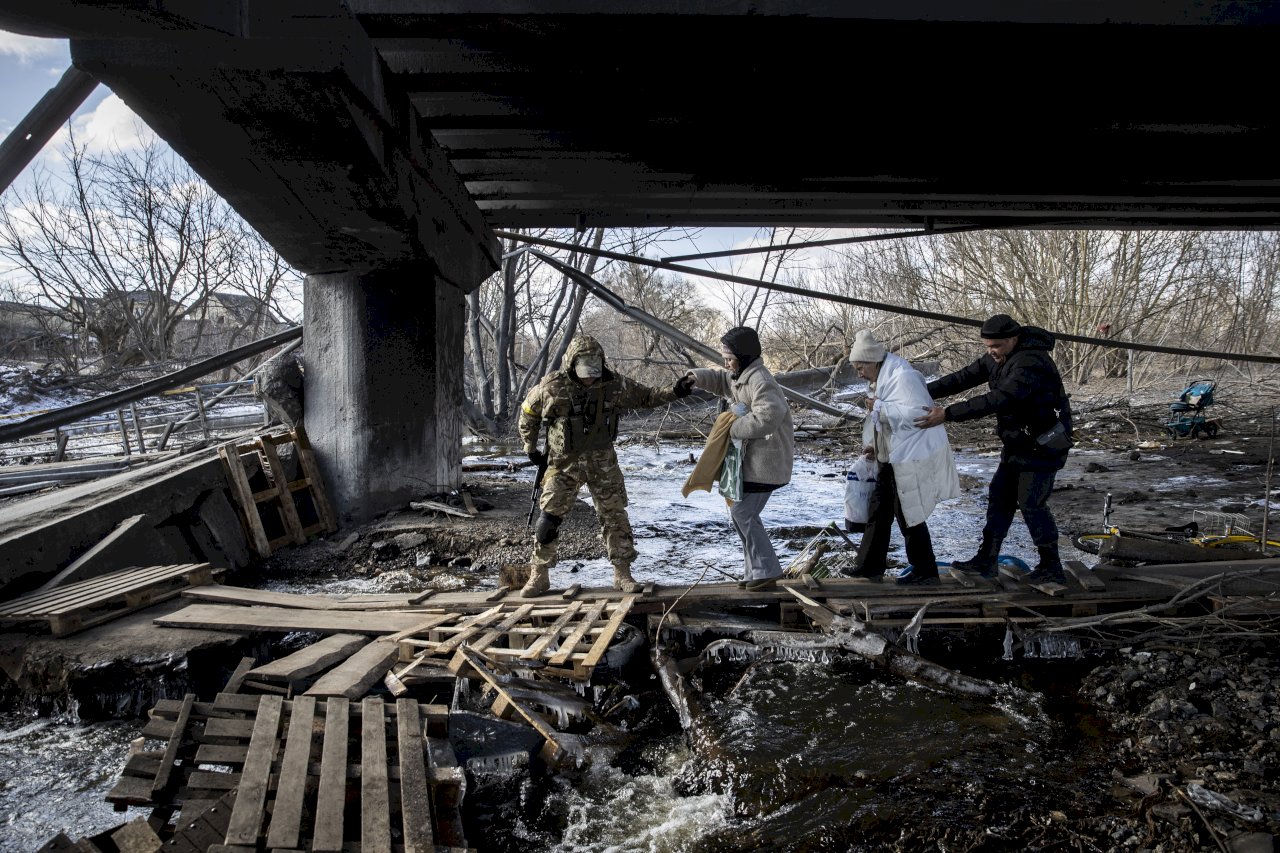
768,447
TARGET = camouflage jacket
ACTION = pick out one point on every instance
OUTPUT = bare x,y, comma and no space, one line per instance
582,417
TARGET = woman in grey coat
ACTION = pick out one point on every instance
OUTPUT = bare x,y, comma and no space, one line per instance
768,445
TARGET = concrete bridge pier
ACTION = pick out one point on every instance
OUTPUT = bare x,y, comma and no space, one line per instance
383,387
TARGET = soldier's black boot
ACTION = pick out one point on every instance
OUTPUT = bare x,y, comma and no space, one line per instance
1050,567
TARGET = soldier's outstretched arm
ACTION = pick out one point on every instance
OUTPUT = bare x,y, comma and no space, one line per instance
633,395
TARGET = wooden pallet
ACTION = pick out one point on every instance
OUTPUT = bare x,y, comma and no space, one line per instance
280,495
81,605
307,774
568,640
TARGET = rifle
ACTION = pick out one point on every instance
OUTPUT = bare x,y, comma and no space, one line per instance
537,491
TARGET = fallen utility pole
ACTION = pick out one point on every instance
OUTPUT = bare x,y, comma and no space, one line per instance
616,302
24,142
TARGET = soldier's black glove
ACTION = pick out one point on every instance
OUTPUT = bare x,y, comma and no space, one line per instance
536,456
684,386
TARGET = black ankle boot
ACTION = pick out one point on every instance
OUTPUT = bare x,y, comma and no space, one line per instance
983,562
1049,568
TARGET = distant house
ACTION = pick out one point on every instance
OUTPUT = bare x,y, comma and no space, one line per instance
241,309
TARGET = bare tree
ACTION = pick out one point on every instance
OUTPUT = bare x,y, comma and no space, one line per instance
126,248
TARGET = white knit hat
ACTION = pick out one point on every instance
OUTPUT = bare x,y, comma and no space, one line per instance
866,348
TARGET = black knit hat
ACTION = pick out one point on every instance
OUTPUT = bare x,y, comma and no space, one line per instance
1000,326
742,341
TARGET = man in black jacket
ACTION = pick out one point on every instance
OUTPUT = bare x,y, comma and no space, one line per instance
1033,422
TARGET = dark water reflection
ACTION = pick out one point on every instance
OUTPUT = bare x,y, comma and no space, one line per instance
803,757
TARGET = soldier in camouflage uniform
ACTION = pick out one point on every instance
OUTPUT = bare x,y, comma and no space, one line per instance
581,404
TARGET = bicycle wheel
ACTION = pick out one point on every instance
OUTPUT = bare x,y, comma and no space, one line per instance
1091,543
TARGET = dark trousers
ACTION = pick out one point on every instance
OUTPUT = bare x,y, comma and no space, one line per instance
1014,488
884,508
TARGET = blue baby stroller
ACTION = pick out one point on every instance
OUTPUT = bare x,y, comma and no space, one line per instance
1187,415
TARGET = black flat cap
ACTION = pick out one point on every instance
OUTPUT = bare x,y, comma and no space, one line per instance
1000,326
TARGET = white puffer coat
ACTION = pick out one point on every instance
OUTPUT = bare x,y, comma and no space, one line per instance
922,463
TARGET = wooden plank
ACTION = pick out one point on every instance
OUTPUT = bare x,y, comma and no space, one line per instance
498,594
288,509
171,750
1020,577
571,592
286,813
606,636
375,794
468,502
213,753
95,590
1086,578
436,506
567,647
553,749
360,671
75,566
243,495
307,460
225,617
237,703
331,797
425,625
422,596
491,636
415,796
470,628
518,615
312,659
810,581
241,595
246,816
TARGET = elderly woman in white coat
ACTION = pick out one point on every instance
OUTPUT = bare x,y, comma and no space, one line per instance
916,468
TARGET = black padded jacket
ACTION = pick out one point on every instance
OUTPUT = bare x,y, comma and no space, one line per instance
1026,396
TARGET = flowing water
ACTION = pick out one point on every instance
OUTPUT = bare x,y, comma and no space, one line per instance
54,776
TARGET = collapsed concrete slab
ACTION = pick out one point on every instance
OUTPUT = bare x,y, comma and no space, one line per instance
186,518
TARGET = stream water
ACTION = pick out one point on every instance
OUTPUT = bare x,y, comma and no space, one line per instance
808,755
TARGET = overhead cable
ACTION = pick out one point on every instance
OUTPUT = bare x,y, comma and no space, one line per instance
882,306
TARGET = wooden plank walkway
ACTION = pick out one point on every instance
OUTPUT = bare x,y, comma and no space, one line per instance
81,605
295,766
568,640
439,624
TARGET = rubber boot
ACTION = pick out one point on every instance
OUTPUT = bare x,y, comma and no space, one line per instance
983,562
622,579
1049,568
538,583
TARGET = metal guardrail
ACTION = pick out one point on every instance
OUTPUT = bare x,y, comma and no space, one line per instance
178,418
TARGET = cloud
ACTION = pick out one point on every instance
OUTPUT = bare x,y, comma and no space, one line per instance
27,49
110,126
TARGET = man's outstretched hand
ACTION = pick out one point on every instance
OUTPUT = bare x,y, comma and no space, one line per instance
932,417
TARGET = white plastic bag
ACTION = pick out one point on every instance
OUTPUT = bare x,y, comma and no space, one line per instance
859,483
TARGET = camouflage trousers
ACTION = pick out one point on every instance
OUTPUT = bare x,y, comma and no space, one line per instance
599,470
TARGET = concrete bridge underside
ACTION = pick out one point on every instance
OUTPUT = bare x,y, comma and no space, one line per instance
376,143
